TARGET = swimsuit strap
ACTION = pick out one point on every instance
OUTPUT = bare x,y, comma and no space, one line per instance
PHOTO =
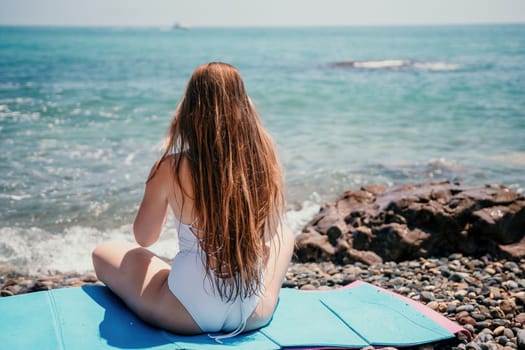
188,241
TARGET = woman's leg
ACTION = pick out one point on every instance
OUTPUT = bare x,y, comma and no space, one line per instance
140,279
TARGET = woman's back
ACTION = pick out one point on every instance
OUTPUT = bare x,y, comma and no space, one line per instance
238,196
220,176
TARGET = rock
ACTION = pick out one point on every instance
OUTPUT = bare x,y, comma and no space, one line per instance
289,283
473,346
451,308
520,339
503,340
520,297
484,336
433,305
510,285
496,312
520,318
6,293
457,276
367,257
508,333
498,331
495,293
460,294
314,247
482,325
507,306
466,307
427,296
307,287
442,308
490,346
89,278
478,316
405,222
466,320
512,267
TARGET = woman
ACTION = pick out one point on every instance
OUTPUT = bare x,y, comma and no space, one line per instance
220,176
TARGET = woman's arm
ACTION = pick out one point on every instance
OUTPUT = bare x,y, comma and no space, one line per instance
281,248
153,209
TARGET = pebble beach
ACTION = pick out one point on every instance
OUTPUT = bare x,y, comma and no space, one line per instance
484,295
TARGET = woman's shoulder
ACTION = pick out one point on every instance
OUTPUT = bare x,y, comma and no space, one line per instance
176,169
167,166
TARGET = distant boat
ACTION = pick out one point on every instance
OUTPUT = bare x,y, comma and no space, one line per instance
179,26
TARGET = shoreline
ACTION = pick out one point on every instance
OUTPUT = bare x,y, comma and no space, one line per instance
484,295
28,246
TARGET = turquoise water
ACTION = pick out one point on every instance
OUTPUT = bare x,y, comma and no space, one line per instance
84,110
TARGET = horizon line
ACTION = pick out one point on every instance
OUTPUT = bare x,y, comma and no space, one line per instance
254,26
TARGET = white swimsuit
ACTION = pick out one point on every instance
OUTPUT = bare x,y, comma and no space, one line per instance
195,289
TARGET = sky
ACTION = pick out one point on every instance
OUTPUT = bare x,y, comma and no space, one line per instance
231,13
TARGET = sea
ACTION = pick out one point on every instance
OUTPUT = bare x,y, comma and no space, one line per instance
83,113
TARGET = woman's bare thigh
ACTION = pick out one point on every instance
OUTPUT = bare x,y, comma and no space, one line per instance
140,278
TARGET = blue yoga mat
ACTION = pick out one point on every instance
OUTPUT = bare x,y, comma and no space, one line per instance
94,318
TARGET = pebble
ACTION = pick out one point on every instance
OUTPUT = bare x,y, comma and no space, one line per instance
520,318
508,333
498,331
307,287
507,306
478,316
520,297
502,340
486,296
484,337
482,325
467,307
427,296
520,339
451,308
473,346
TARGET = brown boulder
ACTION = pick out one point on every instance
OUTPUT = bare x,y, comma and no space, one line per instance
405,222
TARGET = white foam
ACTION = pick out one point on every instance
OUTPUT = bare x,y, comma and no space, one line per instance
517,188
401,64
436,66
445,164
108,115
297,218
18,116
15,197
381,64
129,159
76,111
36,251
97,208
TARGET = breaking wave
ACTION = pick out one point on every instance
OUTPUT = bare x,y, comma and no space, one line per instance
38,251
397,64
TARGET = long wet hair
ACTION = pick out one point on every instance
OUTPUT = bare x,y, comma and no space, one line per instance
237,180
